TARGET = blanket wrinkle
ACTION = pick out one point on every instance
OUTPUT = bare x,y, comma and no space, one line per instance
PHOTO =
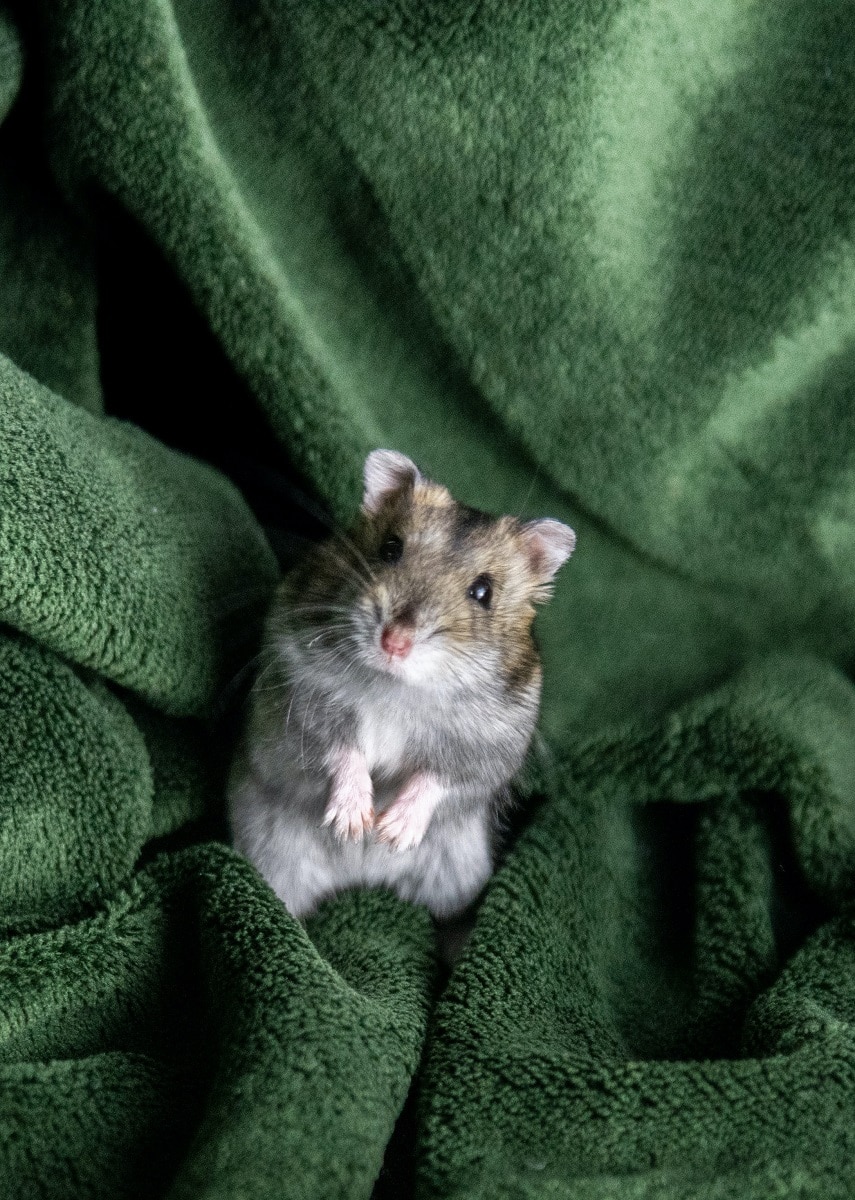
676,1061
592,261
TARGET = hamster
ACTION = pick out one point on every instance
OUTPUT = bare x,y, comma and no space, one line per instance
399,698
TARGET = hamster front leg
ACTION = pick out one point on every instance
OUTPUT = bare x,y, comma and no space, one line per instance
350,808
404,823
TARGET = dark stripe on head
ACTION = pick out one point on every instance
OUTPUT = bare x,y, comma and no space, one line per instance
467,520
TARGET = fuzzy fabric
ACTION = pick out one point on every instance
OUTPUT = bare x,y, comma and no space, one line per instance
588,260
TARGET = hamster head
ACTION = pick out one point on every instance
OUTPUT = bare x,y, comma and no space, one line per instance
441,594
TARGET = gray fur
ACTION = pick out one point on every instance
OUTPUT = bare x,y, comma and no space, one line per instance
280,784
368,764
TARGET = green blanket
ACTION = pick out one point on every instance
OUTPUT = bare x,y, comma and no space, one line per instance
591,260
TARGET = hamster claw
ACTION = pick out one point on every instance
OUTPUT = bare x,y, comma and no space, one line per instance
350,821
403,825
398,832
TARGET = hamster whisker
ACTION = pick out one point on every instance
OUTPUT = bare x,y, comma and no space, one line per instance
350,641
304,501
351,545
251,664
321,624
268,667
318,608
351,579
314,622
312,695
534,479
336,628
288,714
353,570
353,657
355,559
345,540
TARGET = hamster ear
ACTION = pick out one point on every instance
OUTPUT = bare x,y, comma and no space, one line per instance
385,472
548,544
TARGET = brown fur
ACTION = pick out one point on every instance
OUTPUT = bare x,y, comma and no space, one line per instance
367,764
446,547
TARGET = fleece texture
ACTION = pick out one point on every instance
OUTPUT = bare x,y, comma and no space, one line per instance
592,260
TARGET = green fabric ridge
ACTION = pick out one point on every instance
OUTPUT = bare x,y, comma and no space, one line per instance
690,1057
195,977
323,1036
591,260
98,519
56,801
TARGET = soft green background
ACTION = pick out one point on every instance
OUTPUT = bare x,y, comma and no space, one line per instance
592,260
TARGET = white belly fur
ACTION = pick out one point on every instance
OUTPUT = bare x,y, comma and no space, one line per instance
383,741
305,864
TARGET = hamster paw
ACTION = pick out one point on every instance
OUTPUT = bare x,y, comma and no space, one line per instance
400,829
350,814
350,809
403,825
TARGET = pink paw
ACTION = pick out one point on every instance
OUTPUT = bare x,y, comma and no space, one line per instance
403,825
350,813
350,809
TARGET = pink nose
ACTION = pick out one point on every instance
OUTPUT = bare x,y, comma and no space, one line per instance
397,640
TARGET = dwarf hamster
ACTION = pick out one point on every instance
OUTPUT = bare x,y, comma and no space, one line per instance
399,697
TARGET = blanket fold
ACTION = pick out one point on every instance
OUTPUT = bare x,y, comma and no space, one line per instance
592,261
190,1024
708,1037
96,518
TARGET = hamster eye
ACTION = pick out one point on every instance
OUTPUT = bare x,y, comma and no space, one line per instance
481,591
391,549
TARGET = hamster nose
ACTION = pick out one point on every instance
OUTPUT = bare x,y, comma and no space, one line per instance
397,640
